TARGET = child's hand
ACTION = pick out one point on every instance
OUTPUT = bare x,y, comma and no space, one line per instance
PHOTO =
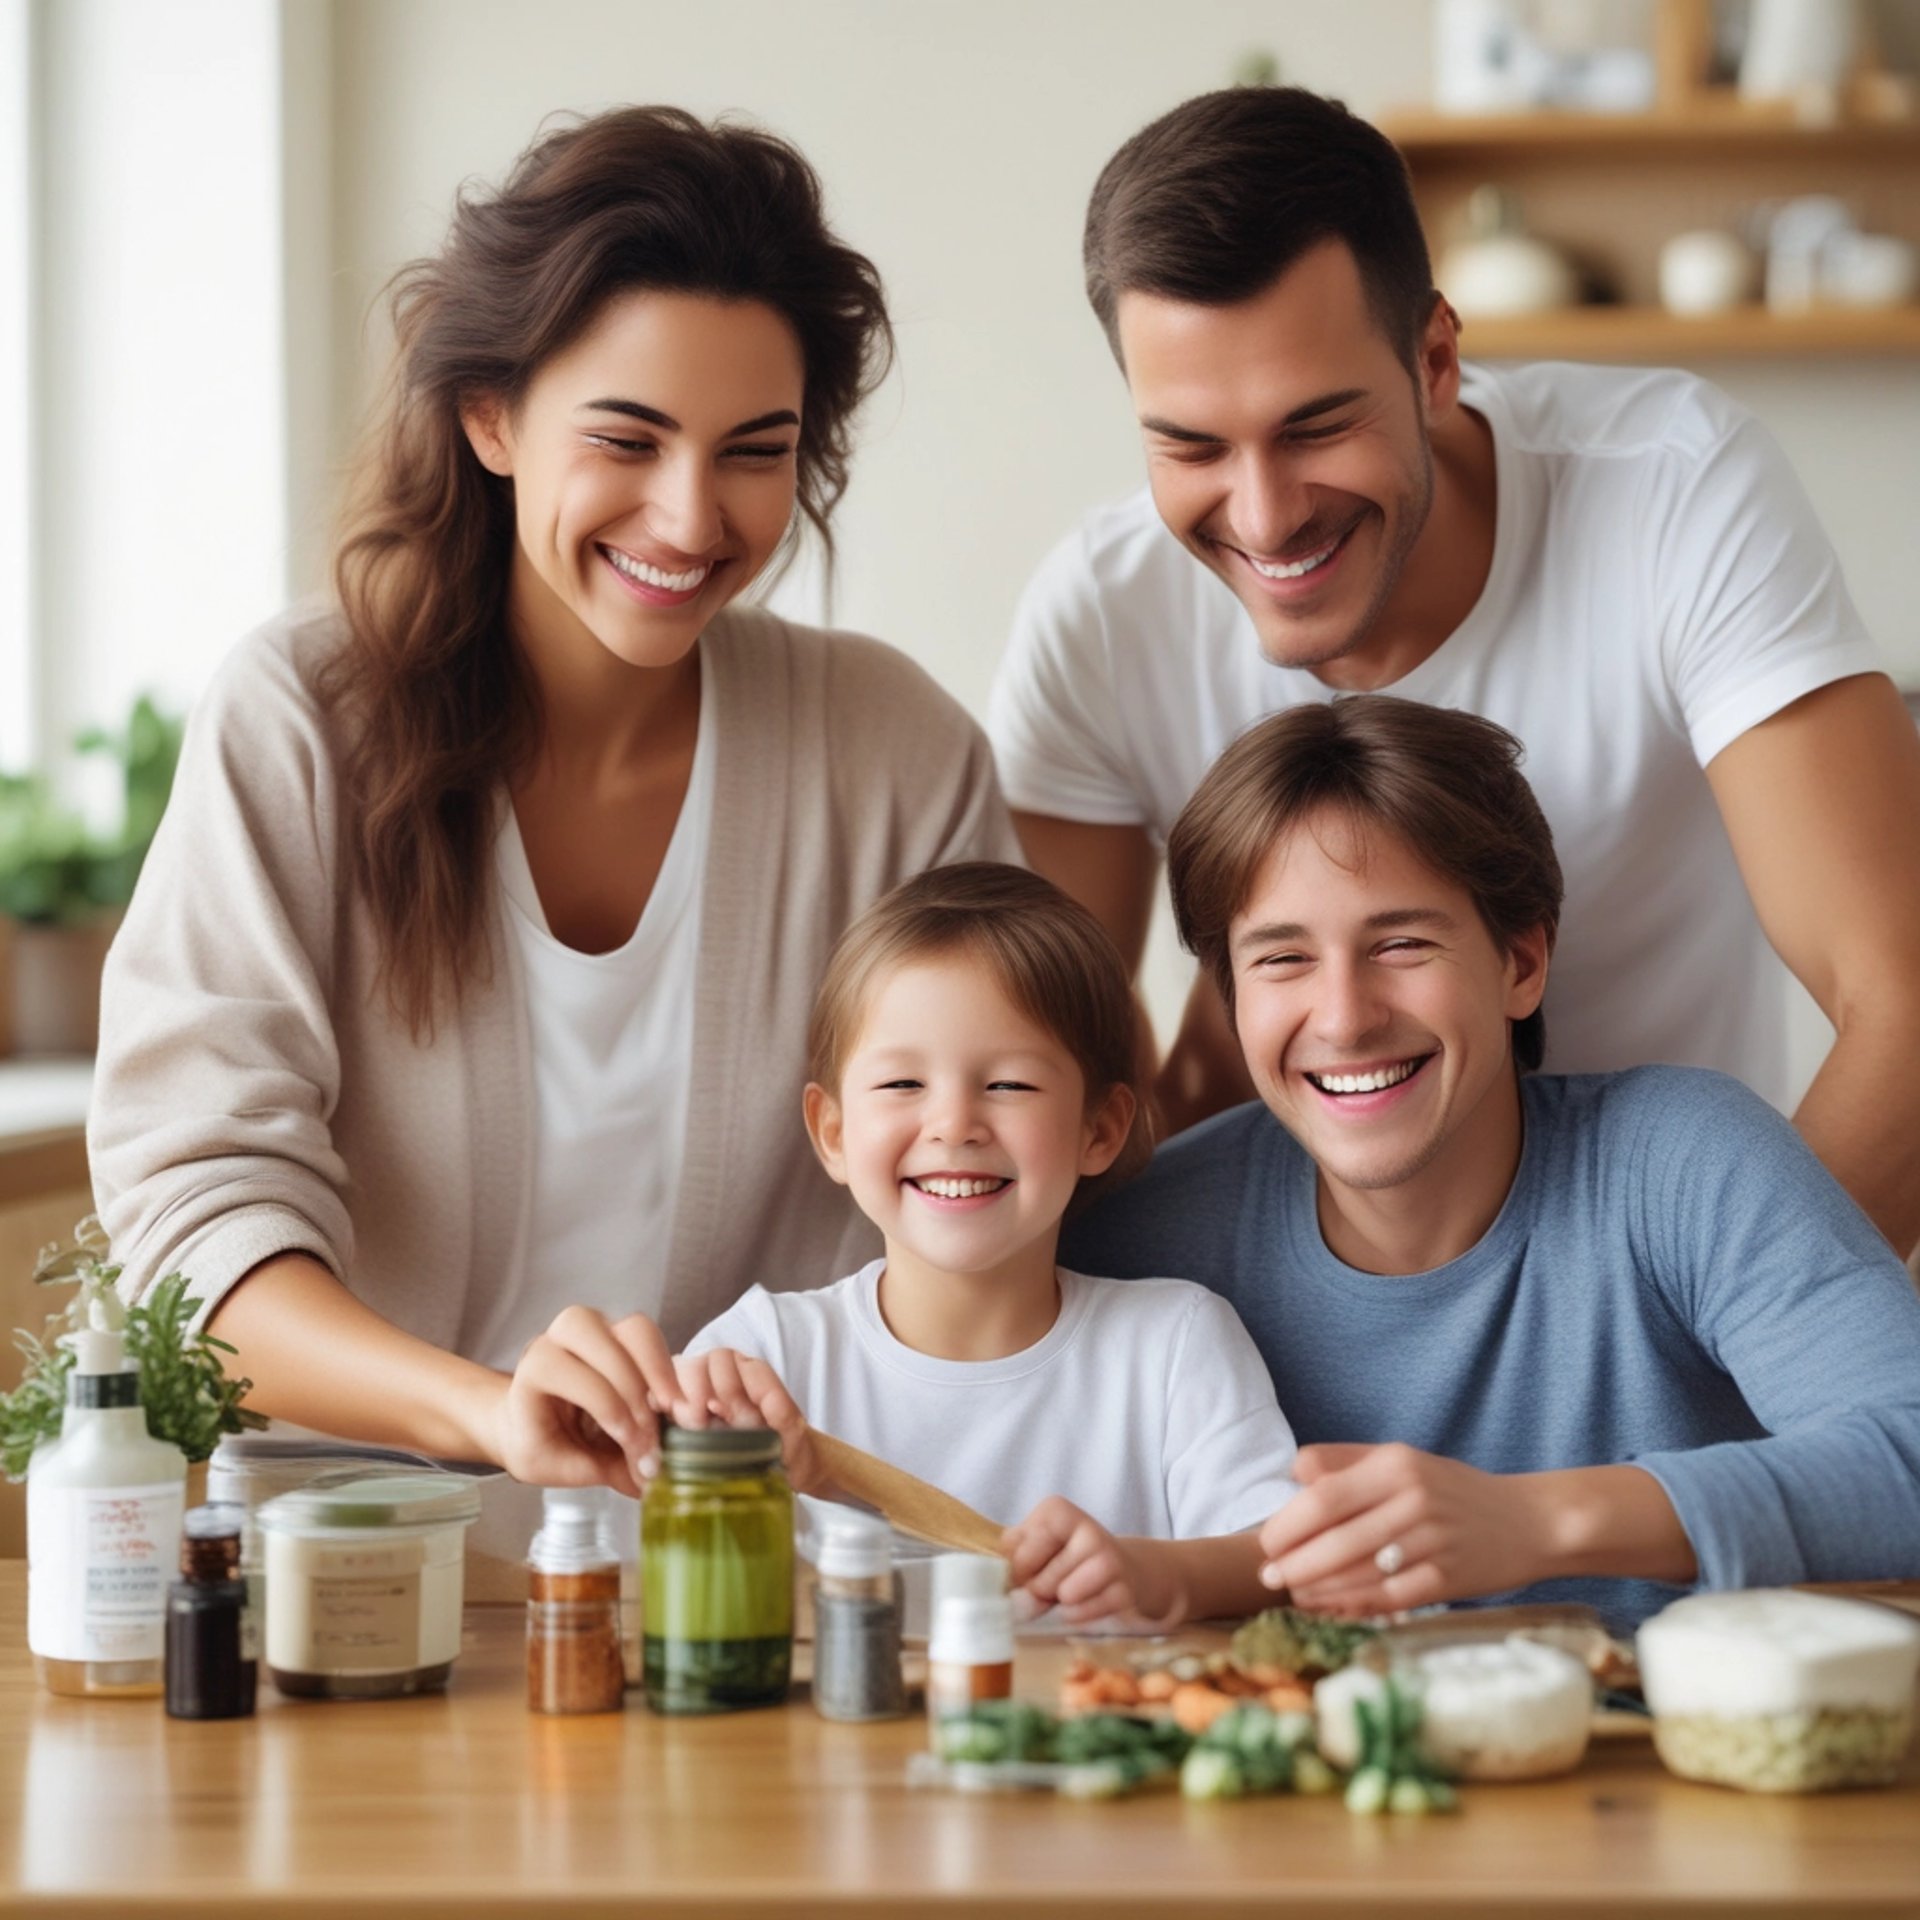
1067,1559
745,1392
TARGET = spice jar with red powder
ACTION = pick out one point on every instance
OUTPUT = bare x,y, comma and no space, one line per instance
574,1662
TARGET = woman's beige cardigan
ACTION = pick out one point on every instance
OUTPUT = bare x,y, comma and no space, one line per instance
255,1095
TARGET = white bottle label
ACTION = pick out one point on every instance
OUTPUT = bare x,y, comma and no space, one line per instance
98,1563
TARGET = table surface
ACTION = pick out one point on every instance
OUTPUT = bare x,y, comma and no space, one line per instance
468,1804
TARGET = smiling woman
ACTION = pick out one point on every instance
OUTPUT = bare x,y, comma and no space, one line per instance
459,1017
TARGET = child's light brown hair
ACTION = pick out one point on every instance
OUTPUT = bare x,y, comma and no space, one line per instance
1047,953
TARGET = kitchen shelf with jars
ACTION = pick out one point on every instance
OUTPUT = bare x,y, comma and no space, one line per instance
1719,221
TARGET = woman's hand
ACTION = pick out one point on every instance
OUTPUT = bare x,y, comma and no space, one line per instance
744,1392
581,1407
1065,1558
1379,1529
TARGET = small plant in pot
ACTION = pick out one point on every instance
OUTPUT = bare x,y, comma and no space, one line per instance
63,885
185,1390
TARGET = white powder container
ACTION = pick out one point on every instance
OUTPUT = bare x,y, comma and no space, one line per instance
364,1583
1779,1691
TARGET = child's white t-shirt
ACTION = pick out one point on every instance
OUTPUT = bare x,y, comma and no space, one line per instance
1146,1404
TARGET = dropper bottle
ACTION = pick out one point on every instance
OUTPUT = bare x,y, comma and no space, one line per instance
213,1652
104,1503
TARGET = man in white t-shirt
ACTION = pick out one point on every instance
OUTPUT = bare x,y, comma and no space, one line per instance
1618,566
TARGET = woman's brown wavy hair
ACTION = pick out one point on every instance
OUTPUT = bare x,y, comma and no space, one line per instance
437,705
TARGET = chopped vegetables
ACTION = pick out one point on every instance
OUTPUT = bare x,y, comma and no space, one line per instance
999,1743
994,1730
1247,1749
1296,1642
1393,1775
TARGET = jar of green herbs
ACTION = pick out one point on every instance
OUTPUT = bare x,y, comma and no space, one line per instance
716,1572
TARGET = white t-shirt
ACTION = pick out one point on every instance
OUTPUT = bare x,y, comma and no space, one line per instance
1659,584
612,1046
1146,1403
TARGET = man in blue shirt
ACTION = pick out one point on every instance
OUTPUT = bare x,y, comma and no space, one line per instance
1538,1331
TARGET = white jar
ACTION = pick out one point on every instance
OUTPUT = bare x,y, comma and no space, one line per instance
1707,272
365,1578
1779,1691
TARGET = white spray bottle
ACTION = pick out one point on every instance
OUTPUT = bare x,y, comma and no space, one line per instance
104,1505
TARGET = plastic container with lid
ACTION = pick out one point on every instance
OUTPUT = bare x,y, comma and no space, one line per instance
1779,1691
716,1572
364,1583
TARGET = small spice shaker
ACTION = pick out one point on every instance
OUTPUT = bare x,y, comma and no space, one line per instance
213,1648
573,1609
856,1622
970,1656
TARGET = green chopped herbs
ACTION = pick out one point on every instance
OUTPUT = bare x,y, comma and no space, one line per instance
1249,1749
1394,1776
1299,1642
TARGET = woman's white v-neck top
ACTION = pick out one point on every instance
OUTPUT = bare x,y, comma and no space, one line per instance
612,1049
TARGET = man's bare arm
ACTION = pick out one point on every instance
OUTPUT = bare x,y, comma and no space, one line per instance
1204,1072
1822,804
1113,872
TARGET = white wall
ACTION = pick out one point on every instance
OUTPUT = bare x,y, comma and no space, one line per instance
16,386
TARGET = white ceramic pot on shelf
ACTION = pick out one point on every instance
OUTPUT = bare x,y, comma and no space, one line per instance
1707,272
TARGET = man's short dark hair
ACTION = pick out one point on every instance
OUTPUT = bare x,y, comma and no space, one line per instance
1447,784
1215,200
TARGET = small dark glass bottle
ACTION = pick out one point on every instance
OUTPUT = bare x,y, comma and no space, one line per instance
212,1637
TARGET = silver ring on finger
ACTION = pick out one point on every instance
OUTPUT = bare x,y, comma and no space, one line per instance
1391,1558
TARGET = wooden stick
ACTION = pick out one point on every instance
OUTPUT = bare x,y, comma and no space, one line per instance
909,1504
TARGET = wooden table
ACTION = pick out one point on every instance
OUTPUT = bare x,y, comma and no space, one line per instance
469,1805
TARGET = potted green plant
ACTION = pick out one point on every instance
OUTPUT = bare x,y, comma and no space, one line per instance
63,885
185,1390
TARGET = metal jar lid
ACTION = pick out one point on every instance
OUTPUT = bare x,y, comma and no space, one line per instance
715,1450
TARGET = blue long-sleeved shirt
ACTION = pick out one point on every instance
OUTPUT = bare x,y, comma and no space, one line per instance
1674,1280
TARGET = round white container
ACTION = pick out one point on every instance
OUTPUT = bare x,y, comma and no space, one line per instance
1707,272
365,1578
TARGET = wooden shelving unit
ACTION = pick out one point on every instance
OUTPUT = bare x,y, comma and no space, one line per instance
1610,189
1653,336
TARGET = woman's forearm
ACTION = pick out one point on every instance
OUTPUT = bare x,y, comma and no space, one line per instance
1212,1579
321,1358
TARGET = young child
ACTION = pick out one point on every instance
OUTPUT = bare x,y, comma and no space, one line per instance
973,1061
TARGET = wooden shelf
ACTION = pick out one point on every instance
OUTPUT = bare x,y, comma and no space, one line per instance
1435,138
1610,189
1652,335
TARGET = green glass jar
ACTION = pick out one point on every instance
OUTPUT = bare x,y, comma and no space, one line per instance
716,1572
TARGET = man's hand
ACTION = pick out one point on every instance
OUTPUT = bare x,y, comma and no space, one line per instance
745,1392
581,1407
1066,1559
1458,1531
